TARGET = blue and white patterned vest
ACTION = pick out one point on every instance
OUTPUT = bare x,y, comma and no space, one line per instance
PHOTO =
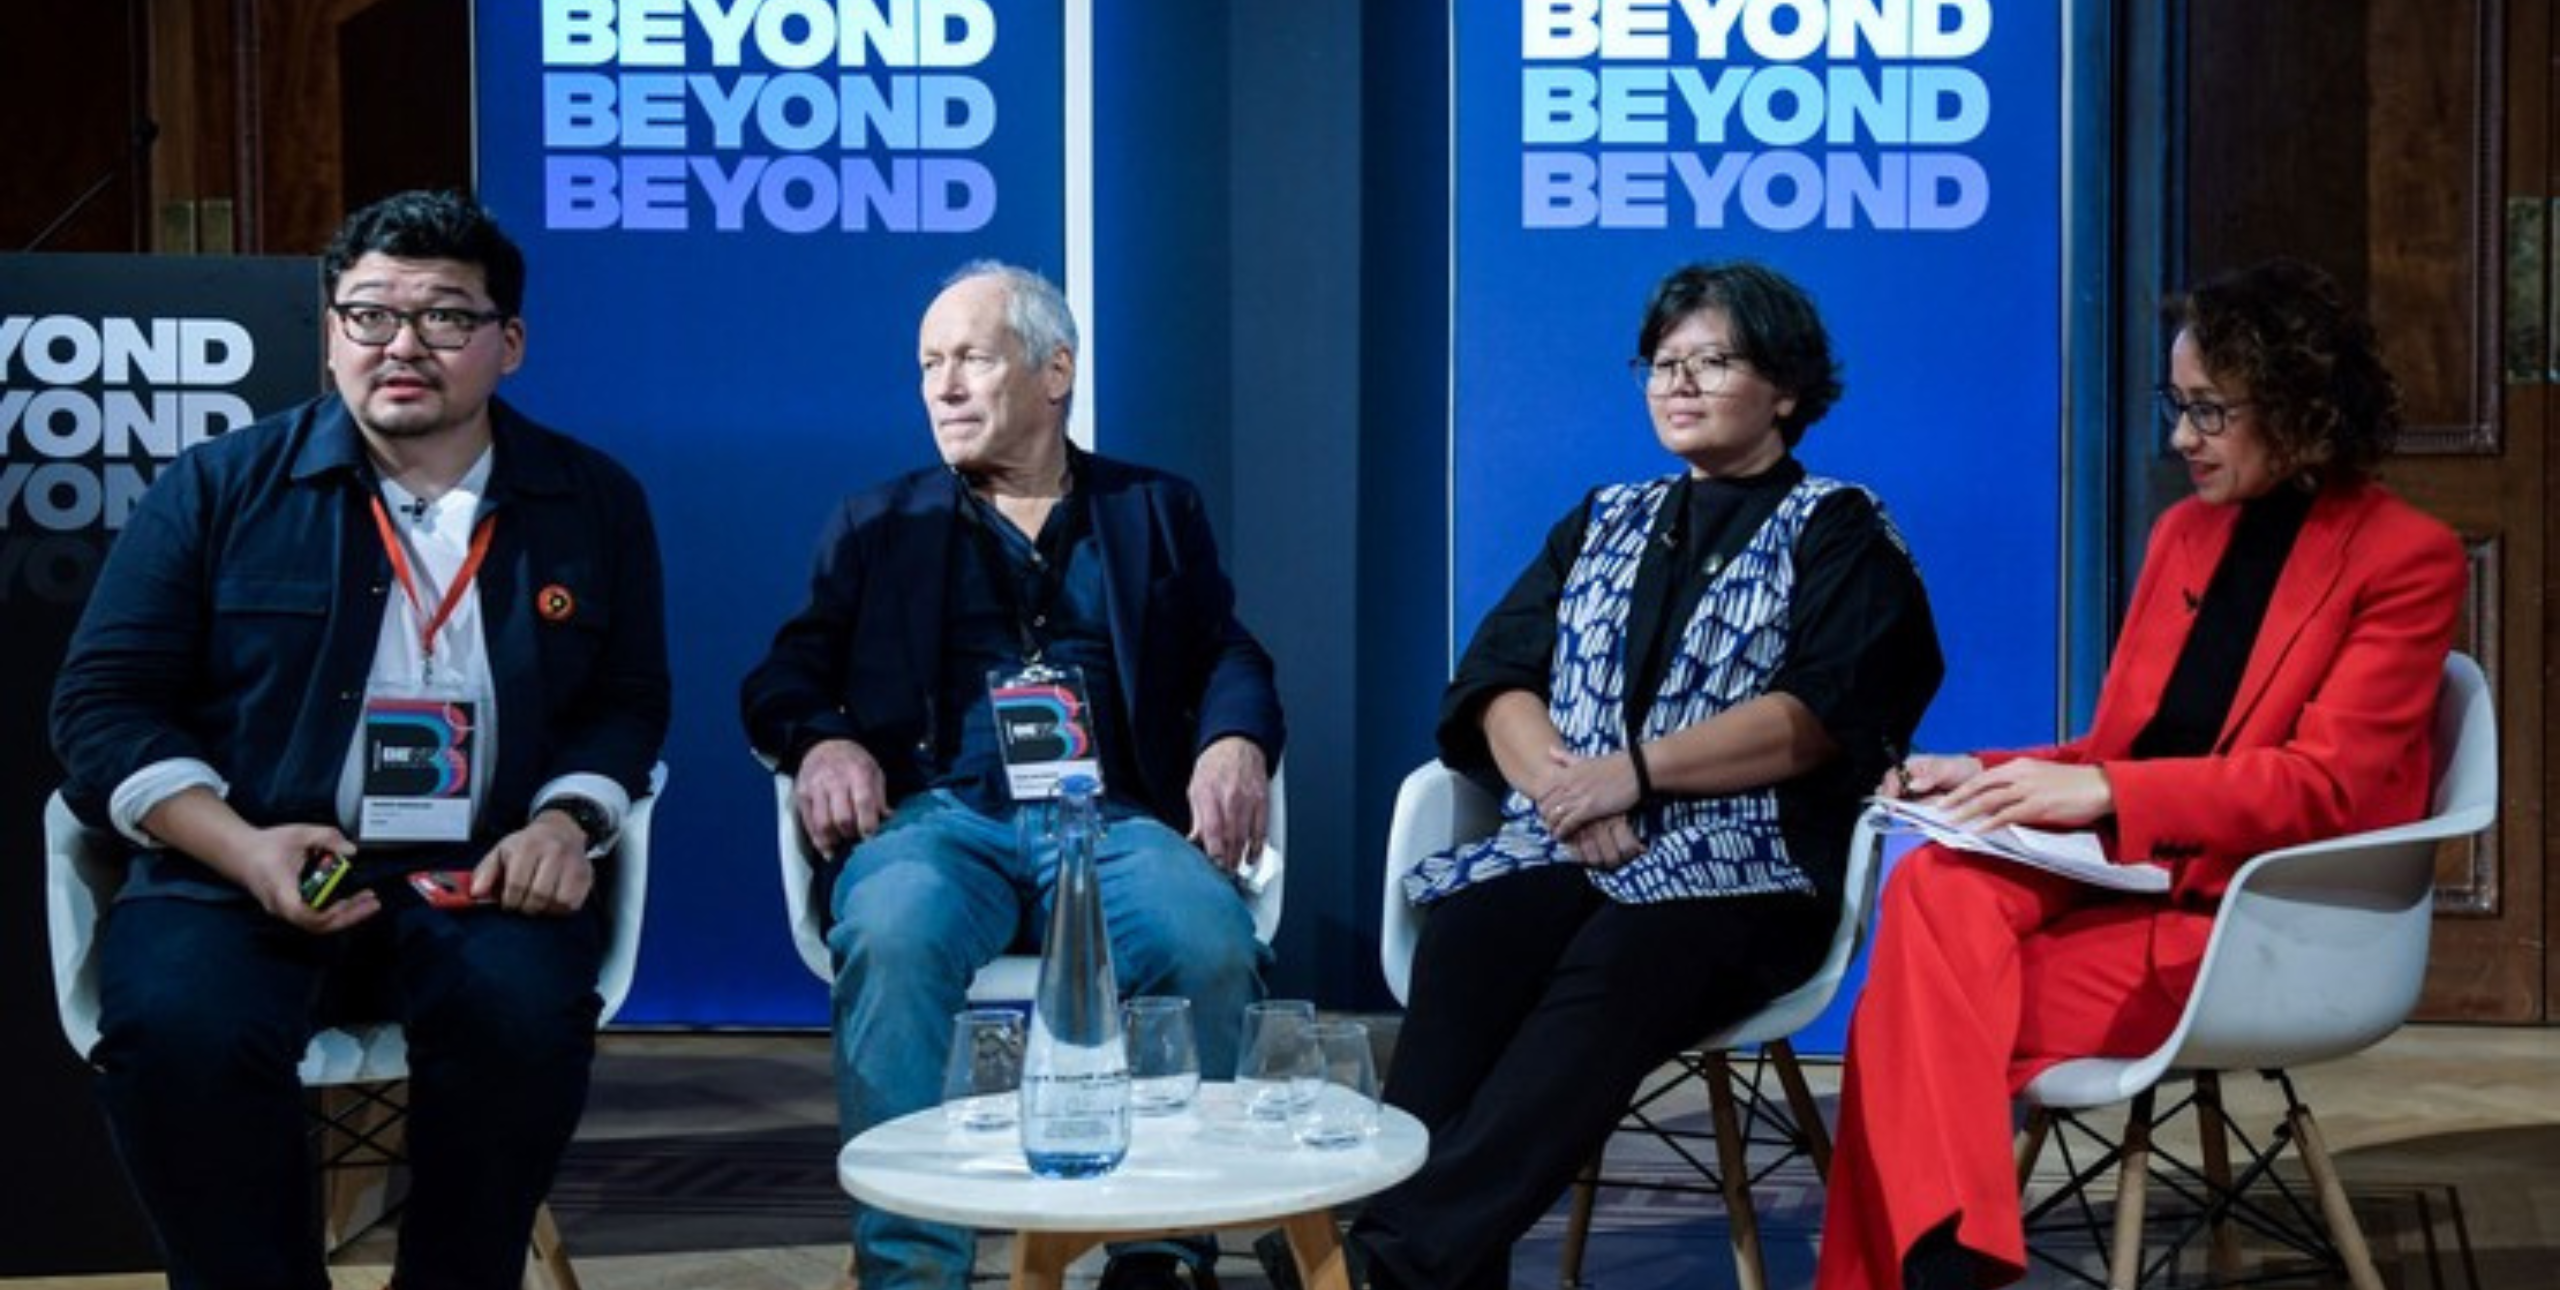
1733,644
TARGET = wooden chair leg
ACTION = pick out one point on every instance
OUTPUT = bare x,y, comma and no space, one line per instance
1577,1228
547,1266
2031,1144
2343,1230
2224,1248
1733,1163
2124,1256
1810,1131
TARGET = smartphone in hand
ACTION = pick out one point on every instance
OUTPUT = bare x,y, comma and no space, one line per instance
445,888
322,871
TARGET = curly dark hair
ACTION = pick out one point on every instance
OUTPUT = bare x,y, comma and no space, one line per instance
2327,406
424,225
1775,328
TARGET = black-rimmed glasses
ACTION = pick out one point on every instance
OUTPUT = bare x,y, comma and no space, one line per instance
1707,369
2209,417
437,328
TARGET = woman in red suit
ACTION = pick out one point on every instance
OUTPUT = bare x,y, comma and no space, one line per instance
2274,684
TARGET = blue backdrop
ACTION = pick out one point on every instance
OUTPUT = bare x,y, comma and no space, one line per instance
731,236
1901,161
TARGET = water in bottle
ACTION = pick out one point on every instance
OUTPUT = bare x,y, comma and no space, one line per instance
1075,1072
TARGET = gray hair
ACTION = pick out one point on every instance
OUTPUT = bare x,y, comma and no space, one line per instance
1034,309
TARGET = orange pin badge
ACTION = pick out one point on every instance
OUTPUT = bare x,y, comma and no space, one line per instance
555,604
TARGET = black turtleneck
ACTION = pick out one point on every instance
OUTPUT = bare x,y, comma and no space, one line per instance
1701,527
2201,687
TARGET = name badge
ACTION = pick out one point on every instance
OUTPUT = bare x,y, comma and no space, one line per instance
1044,729
419,758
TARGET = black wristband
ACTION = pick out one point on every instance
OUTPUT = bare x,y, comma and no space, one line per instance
588,815
1644,774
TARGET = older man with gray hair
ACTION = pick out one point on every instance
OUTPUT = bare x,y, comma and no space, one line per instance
1022,562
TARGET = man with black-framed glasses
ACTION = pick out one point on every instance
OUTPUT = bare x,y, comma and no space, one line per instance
401,626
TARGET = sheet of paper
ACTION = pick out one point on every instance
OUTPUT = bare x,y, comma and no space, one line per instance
2074,855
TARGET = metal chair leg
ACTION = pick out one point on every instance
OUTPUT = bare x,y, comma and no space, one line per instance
362,1135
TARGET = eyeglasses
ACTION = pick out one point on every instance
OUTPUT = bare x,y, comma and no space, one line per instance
2209,418
368,324
1708,369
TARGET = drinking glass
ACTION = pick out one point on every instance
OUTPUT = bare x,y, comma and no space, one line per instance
1274,1055
1339,1102
982,1077
1164,1057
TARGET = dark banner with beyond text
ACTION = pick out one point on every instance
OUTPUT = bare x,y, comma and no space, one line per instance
110,366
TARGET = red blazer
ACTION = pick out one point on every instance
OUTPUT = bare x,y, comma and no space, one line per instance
2330,732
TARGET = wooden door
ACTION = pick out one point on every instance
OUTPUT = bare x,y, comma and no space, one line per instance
2407,146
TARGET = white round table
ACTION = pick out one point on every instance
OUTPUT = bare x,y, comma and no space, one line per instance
1205,1169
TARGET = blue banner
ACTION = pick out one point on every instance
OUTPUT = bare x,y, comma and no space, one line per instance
1899,158
734,215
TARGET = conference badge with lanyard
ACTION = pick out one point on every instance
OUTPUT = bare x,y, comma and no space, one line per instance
421,738
1044,729
1044,722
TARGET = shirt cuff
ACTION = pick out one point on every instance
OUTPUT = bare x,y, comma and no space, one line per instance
144,790
598,789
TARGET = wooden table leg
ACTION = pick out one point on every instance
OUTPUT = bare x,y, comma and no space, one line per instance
1318,1249
1040,1259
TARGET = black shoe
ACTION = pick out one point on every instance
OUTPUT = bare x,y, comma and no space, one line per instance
1938,1262
1155,1270
1279,1263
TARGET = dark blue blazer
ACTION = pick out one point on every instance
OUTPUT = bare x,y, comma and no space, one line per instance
236,619
860,659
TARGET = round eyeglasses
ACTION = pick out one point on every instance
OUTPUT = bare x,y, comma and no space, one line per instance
2209,417
1707,369
438,328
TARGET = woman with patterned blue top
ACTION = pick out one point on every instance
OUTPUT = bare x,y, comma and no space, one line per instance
1683,699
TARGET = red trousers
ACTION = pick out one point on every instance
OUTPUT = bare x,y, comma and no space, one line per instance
1983,973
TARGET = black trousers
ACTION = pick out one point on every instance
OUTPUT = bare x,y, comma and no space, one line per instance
1538,1007
206,1010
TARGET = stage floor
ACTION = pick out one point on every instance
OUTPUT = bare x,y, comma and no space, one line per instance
706,1160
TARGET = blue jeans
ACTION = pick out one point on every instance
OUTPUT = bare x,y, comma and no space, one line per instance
206,1008
942,890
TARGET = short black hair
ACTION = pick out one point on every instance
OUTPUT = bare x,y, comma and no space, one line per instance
1775,328
423,225
2310,363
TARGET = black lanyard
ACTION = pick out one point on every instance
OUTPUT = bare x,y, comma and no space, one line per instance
1048,575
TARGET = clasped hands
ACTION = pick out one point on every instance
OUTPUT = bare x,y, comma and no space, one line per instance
1585,802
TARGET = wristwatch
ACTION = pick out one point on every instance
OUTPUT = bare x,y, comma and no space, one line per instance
590,818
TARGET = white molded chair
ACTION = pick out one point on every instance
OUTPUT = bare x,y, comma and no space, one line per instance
1011,978
1437,808
360,1069
2319,952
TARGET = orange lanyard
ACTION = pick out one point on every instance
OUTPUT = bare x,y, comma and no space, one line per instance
408,581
